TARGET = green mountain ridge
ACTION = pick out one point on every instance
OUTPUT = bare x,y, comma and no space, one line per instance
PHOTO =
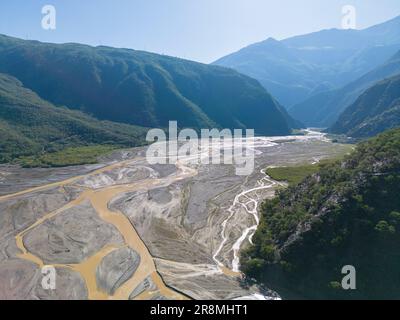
30,126
375,111
348,213
141,88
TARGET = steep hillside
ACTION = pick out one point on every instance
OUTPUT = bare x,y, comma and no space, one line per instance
375,111
297,68
323,109
348,213
32,126
141,88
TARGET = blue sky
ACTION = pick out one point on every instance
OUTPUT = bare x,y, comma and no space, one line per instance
201,30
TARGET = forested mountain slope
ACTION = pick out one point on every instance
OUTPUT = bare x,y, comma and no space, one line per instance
348,213
141,88
375,111
31,126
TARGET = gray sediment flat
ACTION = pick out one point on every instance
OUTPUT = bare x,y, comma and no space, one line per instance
182,222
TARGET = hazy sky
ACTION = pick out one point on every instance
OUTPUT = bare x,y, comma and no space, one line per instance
201,30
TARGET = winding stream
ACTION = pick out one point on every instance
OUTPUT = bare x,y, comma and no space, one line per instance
264,183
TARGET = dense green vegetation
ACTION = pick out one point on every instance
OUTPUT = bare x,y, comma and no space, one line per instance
30,126
293,175
67,157
345,214
375,111
142,88
296,174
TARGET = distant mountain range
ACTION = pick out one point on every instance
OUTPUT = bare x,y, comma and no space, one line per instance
141,88
301,67
321,110
376,110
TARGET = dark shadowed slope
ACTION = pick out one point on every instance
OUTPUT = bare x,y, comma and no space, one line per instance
31,126
376,110
141,88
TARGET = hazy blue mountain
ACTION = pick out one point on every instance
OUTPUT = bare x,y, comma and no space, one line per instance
31,126
323,109
375,111
141,88
296,68
277,68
